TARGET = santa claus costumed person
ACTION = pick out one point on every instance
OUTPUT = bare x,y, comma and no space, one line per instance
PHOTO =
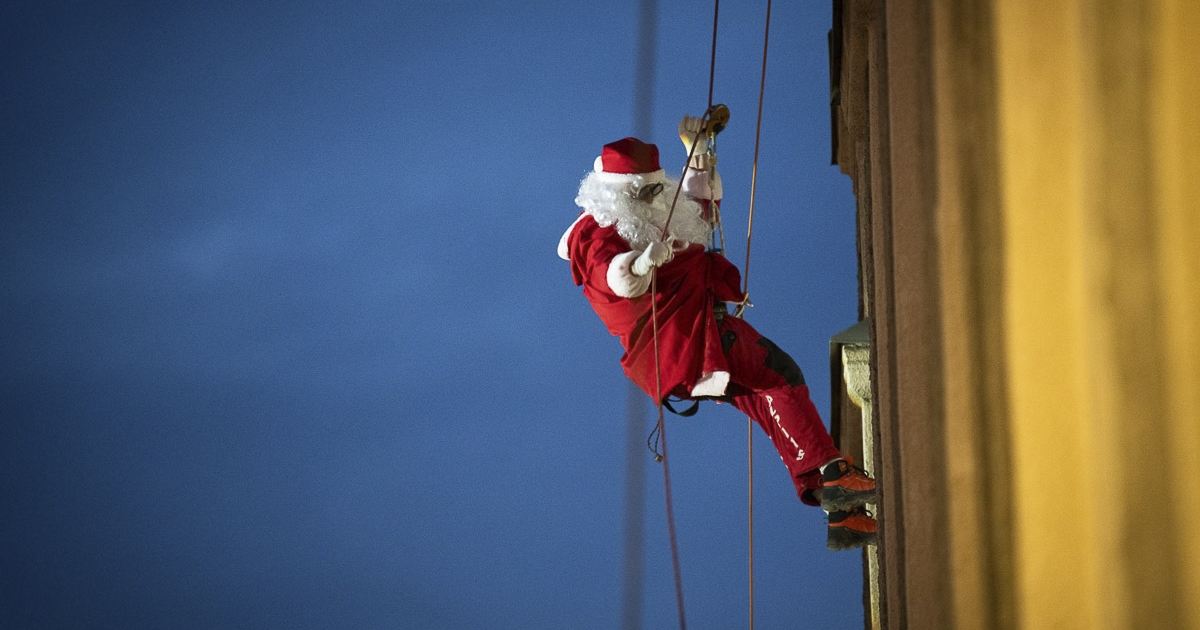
615,246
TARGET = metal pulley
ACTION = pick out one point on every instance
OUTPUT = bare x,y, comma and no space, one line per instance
718,117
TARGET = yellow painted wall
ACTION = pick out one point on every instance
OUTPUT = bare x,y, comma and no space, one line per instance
1042,182
1176,94
1099,127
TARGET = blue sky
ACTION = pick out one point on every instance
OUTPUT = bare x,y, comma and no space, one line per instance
286,343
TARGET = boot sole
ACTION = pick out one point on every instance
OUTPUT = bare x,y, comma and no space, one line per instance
841,538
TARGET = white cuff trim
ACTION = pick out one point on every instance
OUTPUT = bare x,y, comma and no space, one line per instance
711,384
696,184
621,279
562,242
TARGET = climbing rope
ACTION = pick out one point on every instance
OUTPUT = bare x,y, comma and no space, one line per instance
762,85
658,394
660,427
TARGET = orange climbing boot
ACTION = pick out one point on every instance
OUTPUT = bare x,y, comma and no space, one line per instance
850,529
845,486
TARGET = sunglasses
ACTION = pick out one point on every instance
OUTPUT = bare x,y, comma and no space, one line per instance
646,192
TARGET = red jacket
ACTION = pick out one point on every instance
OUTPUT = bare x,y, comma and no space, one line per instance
689,346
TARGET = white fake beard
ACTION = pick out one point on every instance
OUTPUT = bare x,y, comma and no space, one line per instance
638,222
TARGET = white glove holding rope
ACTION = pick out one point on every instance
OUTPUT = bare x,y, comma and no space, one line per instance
656,254
691,130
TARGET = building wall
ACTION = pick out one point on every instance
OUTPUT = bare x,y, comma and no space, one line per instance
1029,236
1095,188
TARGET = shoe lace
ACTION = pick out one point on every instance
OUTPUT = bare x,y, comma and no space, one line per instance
851,467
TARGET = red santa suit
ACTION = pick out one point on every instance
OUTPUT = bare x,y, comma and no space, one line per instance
700,355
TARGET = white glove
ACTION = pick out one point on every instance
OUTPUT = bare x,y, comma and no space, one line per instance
655,255
689,127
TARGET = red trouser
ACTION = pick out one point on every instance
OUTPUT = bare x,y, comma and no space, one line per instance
767,385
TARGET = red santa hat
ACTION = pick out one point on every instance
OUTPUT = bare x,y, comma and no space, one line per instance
629,160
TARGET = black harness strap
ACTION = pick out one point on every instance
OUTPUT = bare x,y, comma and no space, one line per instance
686,413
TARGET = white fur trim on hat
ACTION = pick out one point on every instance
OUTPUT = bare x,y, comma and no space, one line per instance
626,178
621,279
